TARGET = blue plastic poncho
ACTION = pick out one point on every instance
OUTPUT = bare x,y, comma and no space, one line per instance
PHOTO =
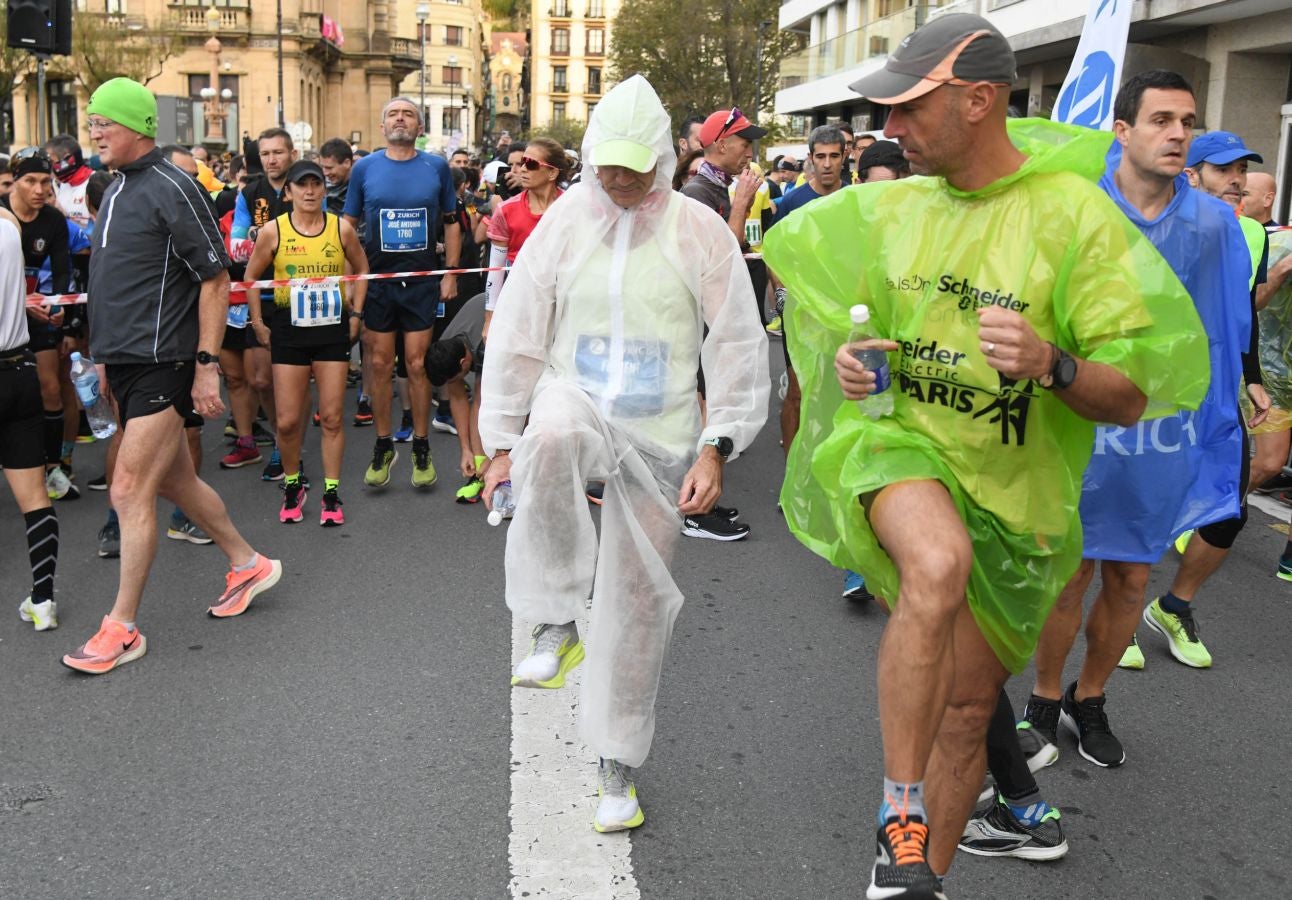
1043,241
1146,485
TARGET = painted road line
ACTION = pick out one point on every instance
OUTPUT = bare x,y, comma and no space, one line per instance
554,851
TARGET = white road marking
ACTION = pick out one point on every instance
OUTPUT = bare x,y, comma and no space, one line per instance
1268,505
554,851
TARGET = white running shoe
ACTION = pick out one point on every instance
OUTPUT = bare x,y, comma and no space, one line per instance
554,651
43,615
618,809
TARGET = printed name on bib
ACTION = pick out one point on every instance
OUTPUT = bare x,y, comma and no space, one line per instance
404,230
316,305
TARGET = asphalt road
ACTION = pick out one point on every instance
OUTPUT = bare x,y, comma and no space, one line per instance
349,736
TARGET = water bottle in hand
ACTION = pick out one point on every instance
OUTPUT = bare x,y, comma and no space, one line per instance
504,503
880,401
97,408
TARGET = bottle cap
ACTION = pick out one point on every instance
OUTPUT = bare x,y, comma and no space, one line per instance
75,357
860,314
495,517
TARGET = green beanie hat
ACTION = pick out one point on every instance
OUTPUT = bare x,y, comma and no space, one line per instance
127,103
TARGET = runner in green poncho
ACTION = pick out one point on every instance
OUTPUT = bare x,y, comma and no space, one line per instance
1007,274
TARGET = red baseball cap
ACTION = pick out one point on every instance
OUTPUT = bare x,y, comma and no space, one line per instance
725,123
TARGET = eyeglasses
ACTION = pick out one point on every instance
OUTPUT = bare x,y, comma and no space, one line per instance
534,165
100,124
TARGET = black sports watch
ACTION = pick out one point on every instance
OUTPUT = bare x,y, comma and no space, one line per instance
1061,374
724,445
206,359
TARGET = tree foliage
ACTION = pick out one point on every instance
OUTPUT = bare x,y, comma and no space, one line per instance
703,56
566,132
106,47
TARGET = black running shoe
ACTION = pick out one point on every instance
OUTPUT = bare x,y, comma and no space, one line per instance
1089,723
901,870
996,831
1038,732
714,528
1280,482
730,513
98,484
262,437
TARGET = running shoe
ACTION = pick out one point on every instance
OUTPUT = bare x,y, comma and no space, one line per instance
330,514
444,424
1181,633
1280,482
1089,724
317,420
183,529
59,486
110,540
293,503
84,434
404,433
111,646
901,868
363,415
1038,732
775,328
596,491
98,484
1285,569
1182,542
423,469
730,513
240,588
470,492
714,528
274,469
1132,656
996,831
854,588
1034,765
378,474
554,650
353,377
617,807
43,615
241,454
230,429
262,437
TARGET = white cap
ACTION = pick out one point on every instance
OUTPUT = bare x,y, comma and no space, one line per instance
860,314
495,517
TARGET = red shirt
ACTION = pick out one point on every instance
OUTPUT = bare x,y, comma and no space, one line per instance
513,223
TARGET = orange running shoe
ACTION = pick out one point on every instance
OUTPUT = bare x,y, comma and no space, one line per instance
110,647
240,588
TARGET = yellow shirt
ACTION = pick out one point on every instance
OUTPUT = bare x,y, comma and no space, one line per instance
303,256
754,221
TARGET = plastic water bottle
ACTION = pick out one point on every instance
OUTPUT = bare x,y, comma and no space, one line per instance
504,504
880,401
97,409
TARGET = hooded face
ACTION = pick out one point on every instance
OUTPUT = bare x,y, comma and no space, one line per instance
626,187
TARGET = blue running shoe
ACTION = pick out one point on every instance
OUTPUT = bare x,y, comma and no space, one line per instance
854,588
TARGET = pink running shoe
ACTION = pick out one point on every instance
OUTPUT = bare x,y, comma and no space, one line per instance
242,587
330,515
293,503
110,647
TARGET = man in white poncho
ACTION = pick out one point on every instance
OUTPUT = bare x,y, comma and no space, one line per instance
591,374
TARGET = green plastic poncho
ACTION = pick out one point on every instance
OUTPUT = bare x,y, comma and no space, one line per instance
1045,242
1276,333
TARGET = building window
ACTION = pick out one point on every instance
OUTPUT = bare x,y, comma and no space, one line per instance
560,83
450,120
506,82
453,35
62,107
561,41
591,107
451,75
596,41
596,9
558,111
561,9
594,80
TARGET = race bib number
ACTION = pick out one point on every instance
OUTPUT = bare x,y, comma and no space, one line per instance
640,385
315,305
404,230
237,317
753,232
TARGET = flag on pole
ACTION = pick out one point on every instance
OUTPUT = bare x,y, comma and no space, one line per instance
1088,92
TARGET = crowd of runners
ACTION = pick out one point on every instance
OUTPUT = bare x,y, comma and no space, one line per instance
625,294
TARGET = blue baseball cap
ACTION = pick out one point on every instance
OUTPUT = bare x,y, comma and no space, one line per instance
1219,148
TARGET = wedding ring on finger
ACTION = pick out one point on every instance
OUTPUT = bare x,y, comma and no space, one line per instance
991,348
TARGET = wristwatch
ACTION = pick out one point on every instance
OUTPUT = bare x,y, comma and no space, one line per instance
1062,373
206,359
724,445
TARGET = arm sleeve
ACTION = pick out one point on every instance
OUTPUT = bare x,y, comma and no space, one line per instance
195,236
354,192
734,352
495,280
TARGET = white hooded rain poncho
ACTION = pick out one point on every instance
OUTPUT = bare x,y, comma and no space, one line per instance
591,374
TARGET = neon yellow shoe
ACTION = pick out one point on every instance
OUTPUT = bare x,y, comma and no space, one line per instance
423,469
1181,634
378,474
1133,656
554,651
617,809
1182,542
471,491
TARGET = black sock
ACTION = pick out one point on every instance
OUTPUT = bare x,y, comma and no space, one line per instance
53,436
1005,757
386,443
42,549
421,443
1287,551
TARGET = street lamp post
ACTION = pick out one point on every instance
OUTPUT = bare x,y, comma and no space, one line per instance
423,13
212,97
453,113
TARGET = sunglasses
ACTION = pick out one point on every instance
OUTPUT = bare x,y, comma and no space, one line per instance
534,165
32,153
732,118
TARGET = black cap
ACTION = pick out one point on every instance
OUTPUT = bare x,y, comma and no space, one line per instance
32,159
302,168
880,153
958,48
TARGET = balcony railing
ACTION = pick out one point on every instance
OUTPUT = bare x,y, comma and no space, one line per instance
193,18
405,50
561,10
875,39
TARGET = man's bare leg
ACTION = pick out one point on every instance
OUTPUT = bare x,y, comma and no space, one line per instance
1112,621
1060,633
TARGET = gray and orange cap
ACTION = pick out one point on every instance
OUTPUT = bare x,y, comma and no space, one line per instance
958,48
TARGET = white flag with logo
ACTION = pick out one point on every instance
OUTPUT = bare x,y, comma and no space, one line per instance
1091,86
